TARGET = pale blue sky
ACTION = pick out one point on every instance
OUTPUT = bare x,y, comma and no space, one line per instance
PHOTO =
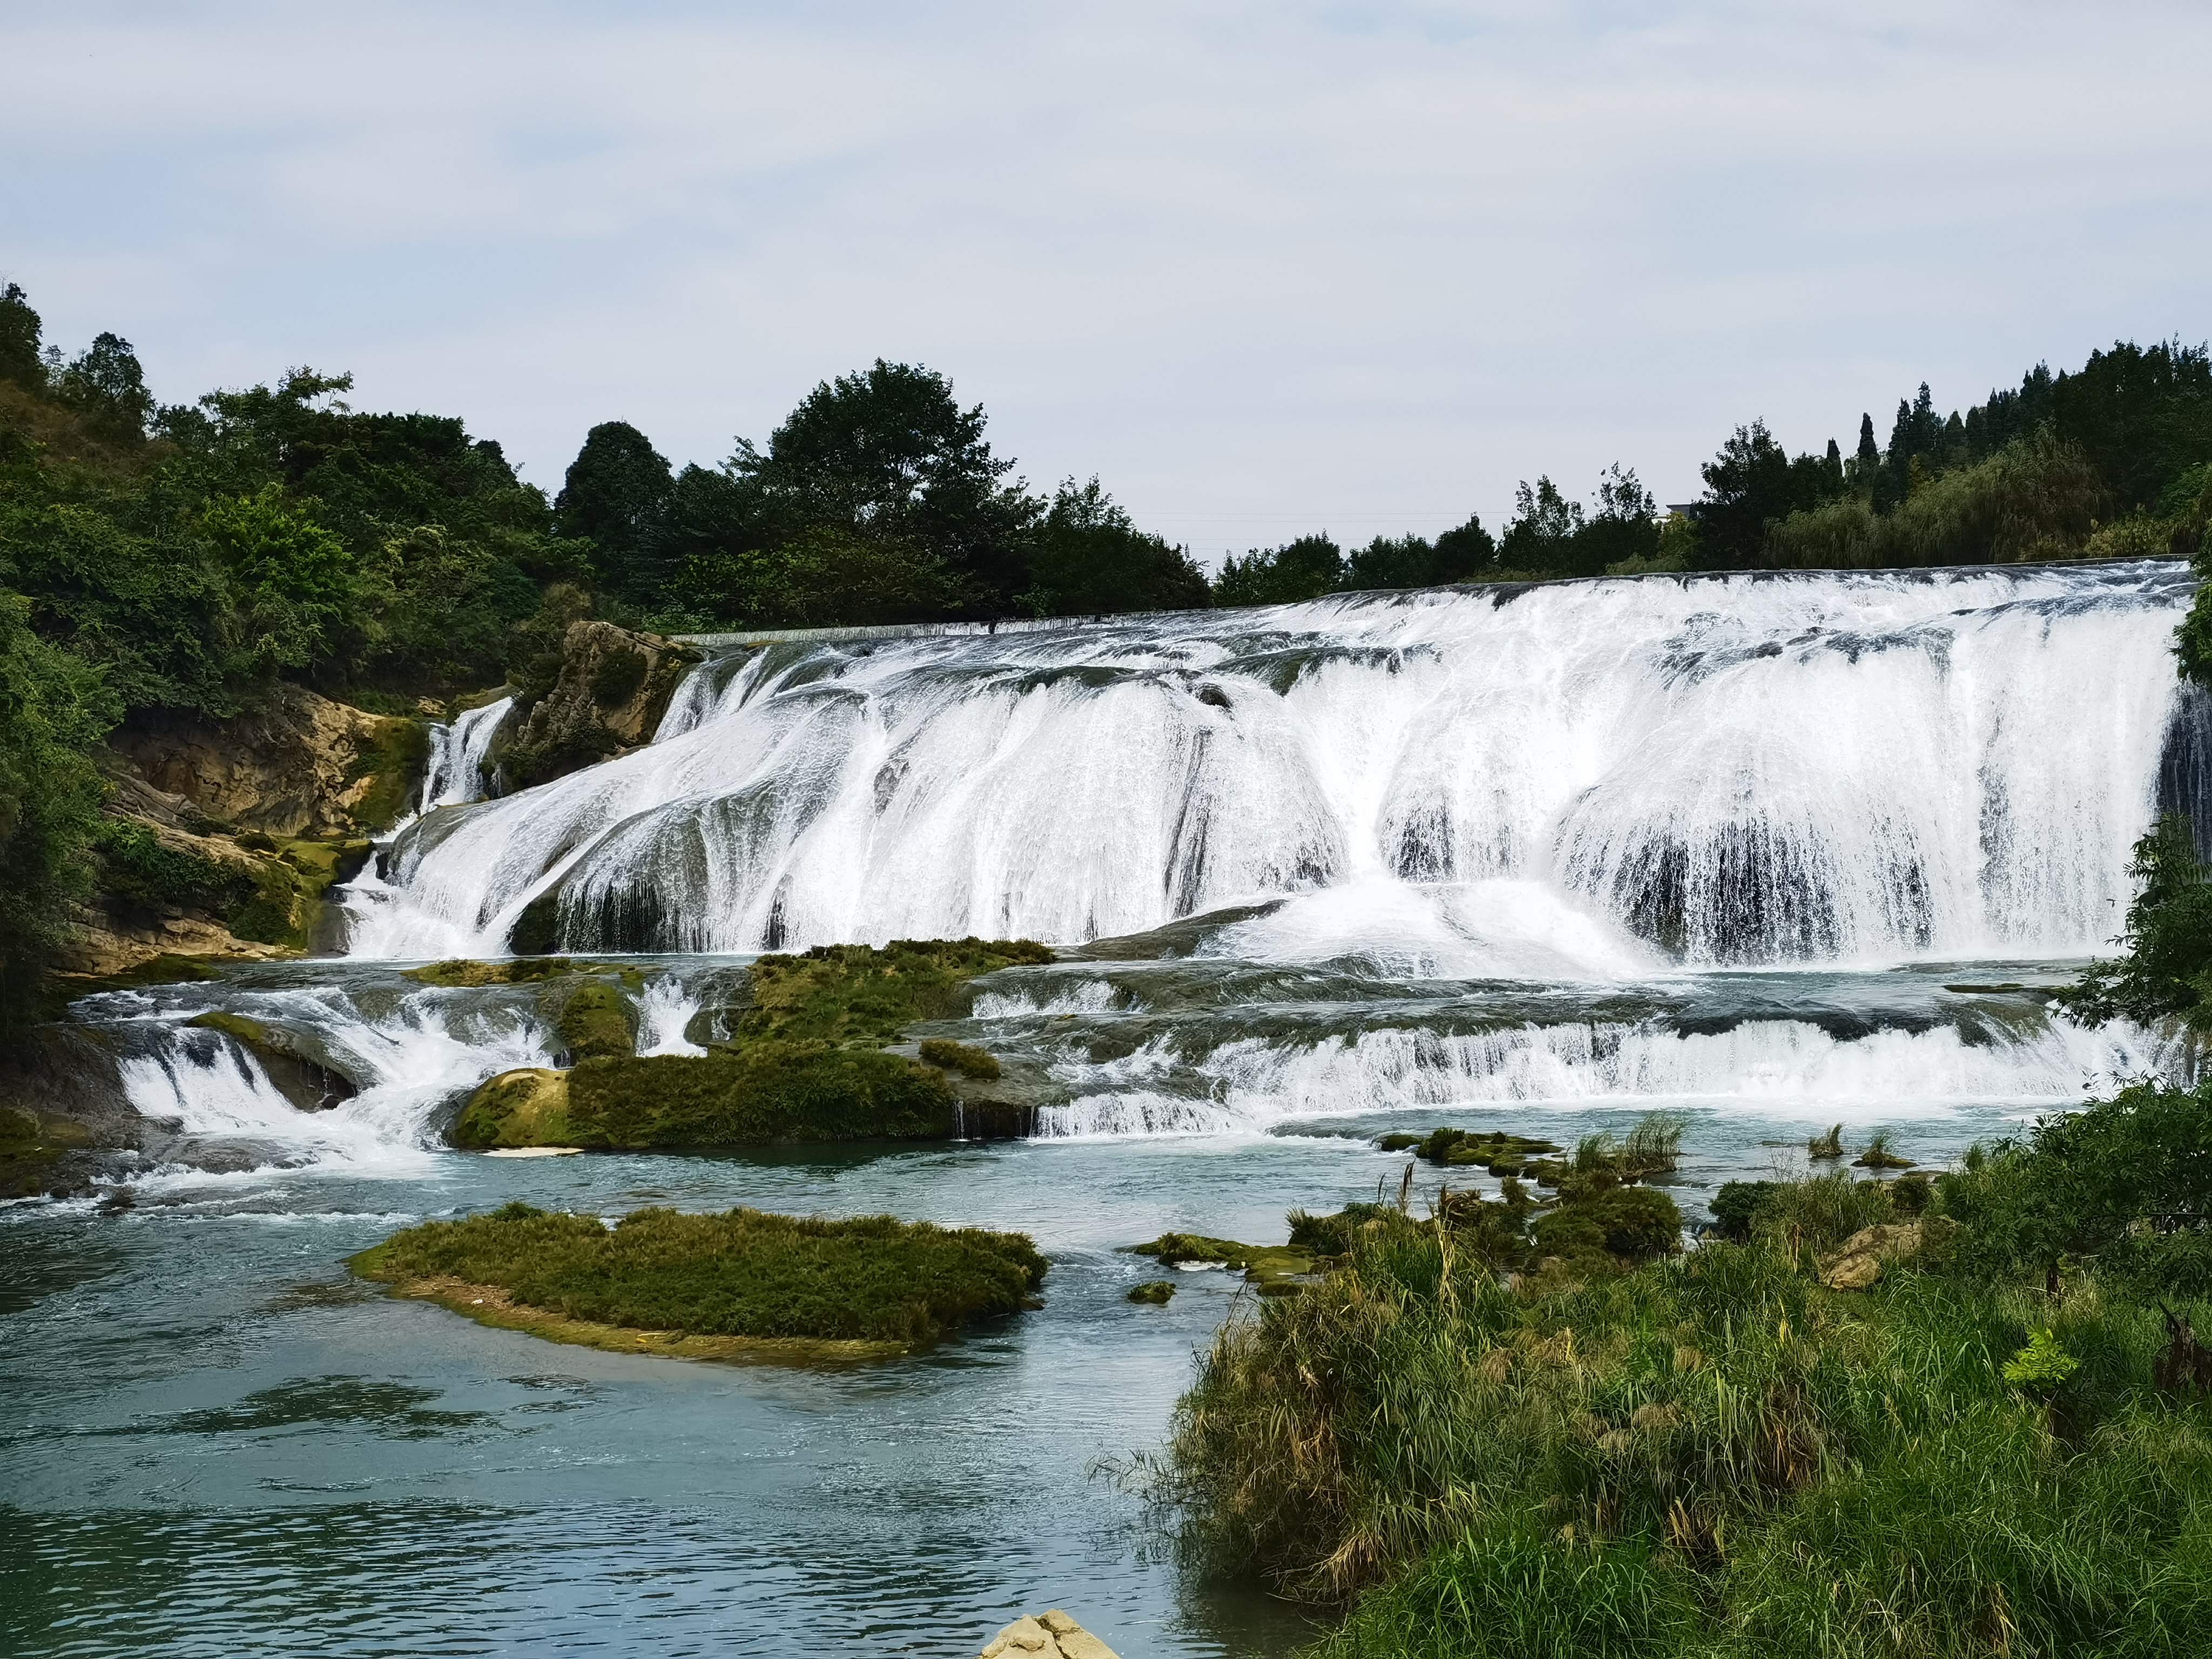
1263,268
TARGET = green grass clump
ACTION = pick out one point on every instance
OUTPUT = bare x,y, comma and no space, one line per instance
964,1058
1268,1267
764,1093
857,993
1991,1450
746,1274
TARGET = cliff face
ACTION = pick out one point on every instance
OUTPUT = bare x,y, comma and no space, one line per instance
221,837
299,765
612,688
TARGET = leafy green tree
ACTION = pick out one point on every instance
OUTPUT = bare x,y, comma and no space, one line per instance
2167,970
1540,538
1865,467
1463,553
19,341
54,711
613,495
824,576
888,453
105,383
290,579
1303,569
1622,527
438,609
2141,415
1086,558
152,608
1753,483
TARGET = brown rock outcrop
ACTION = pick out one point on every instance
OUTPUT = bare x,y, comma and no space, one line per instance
613,687
1048,1635
1860,1262
298,764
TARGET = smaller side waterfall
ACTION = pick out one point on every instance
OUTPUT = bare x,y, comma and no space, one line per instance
455,776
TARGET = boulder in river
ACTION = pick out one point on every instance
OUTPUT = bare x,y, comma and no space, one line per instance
1048,1635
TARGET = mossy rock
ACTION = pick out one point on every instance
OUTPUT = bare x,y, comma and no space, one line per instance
665,1282
393,760
768,1094
964,1058
596,1023
1155,1292
1494,1150
524,1107
300,1078
1261,1264
466,973
855,994
31,1143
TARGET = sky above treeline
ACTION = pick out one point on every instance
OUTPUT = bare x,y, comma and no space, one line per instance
1263,268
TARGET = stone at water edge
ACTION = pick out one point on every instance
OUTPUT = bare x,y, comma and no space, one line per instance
1048,1635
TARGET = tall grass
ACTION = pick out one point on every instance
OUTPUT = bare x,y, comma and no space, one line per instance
1710,1454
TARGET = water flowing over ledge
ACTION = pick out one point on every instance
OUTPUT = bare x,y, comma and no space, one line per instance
1588,779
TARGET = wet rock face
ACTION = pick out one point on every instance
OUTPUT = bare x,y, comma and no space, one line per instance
1048,1635
297,765
613,687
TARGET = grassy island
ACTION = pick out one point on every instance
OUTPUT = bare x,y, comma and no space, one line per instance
1964,1415
805,1063
744,1284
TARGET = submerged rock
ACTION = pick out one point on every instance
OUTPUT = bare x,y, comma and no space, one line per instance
1048,1635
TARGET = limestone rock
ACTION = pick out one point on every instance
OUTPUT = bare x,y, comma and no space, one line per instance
612,689
1859,1264
1048,1635
527,1107
296,764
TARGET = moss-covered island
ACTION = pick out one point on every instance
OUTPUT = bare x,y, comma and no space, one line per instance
744,1285
804,1061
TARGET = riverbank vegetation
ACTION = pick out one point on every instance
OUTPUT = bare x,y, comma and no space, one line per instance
2003,1445
744,1274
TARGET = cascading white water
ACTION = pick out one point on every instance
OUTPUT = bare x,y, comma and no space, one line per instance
1586,778
665,1009
455,774
409,1061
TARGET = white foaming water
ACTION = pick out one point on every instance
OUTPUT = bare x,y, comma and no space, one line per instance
664,1009
1837,767
455,775
409,1063
1782,1068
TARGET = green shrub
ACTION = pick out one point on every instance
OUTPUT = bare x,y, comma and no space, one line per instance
1630,1223
1737,1205
743,1273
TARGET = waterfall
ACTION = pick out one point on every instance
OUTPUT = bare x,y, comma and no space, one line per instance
1582,779
455,775
410,1057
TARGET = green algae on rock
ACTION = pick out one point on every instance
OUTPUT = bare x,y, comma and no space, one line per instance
805,1064
664,1281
